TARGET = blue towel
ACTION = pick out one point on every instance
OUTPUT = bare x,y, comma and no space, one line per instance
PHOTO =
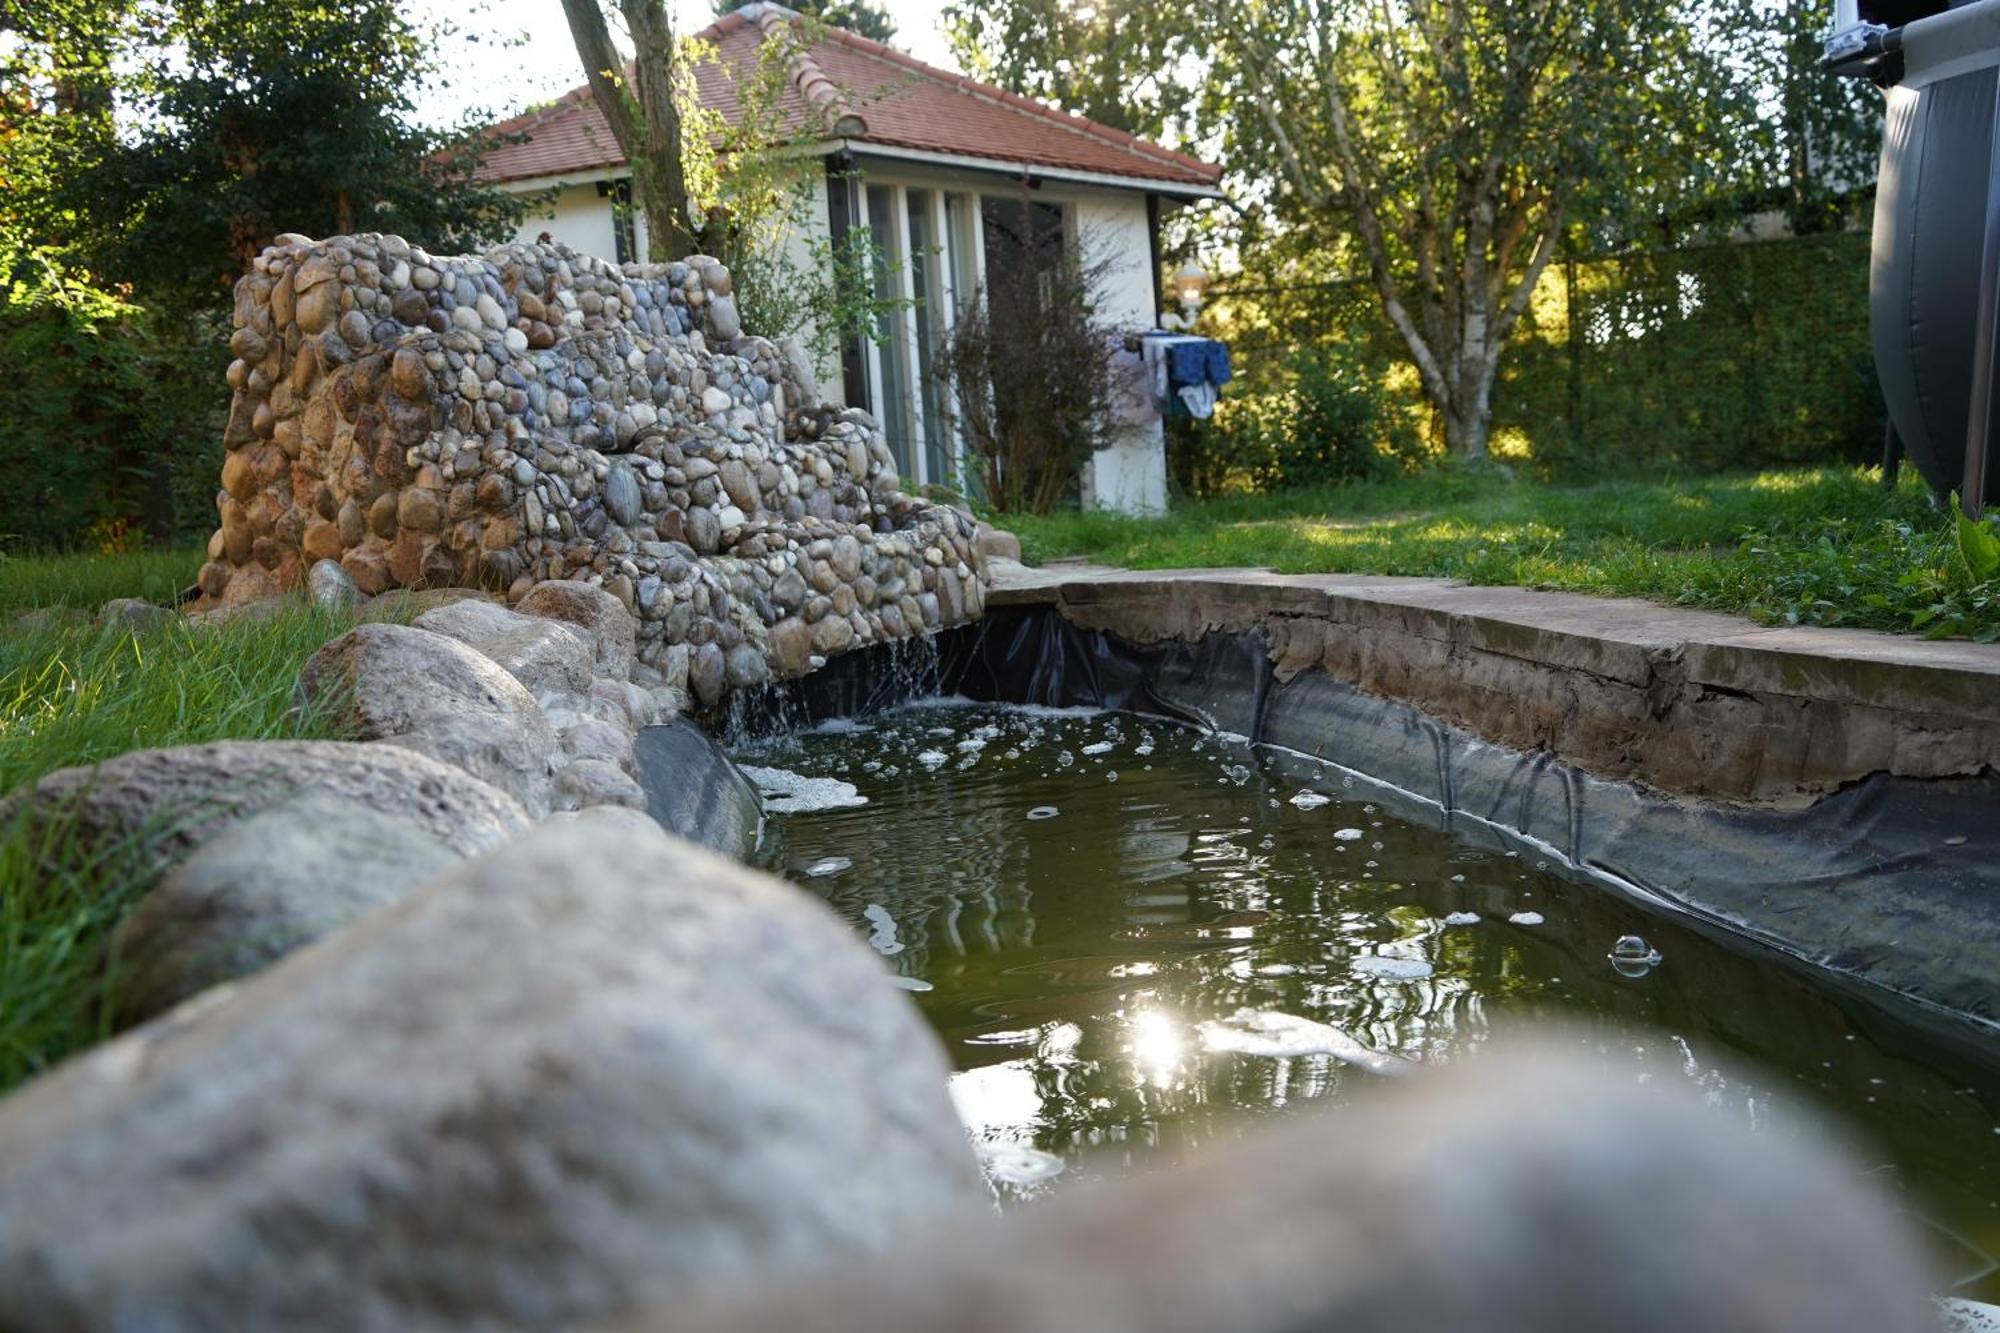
1193,361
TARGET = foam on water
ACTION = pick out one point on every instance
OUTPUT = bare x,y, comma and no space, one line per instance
931,758
1526,918
1392,969
1312,800
1461,919
789,793
1278,1035
1347,834
1098,747
829,865
882,936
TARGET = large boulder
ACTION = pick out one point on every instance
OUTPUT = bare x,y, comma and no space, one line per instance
693,789
261,888
162,803
547,657
1532,1195
612,631
433,694
585,1073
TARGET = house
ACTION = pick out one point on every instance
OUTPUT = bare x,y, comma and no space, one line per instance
942,169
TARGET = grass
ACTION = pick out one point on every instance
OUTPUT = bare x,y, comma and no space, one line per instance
28,582
1819,546
73,693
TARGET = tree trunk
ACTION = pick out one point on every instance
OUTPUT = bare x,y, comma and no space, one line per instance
658,174
644,121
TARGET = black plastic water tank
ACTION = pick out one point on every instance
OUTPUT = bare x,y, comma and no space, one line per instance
1936,253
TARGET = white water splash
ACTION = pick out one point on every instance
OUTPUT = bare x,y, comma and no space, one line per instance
1018,1164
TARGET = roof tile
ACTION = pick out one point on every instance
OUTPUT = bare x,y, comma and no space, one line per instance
900,102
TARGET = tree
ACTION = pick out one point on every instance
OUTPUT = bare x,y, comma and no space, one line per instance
1454,141
247,119
148,150
857,16
644,114
1447,148
1818,153
1118,62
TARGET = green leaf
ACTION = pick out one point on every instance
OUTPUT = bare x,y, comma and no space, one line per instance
1978,546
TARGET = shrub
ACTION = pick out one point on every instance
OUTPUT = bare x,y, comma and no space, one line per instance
111,415
1026,371
1321,425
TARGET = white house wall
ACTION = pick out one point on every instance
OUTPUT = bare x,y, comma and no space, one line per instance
579,217
1131,475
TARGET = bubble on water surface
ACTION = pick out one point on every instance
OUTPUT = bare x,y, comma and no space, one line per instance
1043,812
1388,968
1278,1035
1098,747
1347,834
1526,918
1462,919
789,793
1312,800
1632,957
829,865
931,758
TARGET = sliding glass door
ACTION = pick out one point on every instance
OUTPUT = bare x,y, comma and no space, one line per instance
929,245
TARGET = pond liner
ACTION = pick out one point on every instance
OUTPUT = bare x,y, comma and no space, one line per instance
1889,887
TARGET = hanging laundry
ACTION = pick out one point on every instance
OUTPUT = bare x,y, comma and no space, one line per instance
1187,372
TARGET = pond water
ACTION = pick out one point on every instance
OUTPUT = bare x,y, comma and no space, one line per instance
1136,939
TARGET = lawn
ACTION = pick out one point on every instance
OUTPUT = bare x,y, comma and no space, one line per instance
73,693
1819,546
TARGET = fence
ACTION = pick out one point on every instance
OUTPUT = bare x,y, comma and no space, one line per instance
1729,355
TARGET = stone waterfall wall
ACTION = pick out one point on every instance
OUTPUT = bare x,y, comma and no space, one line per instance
536,414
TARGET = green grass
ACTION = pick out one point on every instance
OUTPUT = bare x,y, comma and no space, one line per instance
1826,546
71,693
83,581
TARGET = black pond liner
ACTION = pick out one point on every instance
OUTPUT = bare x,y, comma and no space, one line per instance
1889,888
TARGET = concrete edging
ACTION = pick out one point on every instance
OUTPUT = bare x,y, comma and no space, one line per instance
1692,703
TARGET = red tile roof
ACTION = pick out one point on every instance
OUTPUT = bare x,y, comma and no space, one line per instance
876,94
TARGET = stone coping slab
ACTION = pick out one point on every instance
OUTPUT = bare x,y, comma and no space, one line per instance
1695,702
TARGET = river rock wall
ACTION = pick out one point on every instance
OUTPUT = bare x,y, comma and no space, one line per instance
533,414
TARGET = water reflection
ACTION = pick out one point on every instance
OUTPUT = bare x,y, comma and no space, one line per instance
1160,957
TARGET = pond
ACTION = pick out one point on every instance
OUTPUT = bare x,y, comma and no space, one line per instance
1136,939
